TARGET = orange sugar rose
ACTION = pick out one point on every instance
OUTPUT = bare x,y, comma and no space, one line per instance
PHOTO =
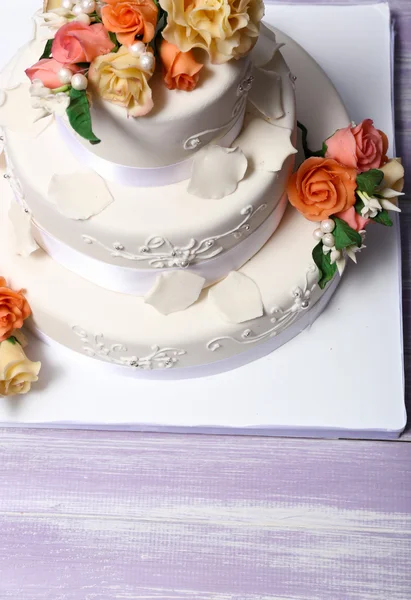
322,187
181,70
130,18
14,309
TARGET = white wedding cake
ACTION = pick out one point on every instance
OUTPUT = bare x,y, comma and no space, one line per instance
148,154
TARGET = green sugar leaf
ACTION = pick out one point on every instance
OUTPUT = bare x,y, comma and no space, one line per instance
359,205
344,235
323,263
383,218
114,39
79,115
369,181
47,50
304,136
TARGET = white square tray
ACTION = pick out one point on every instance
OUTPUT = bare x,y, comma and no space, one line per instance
342,378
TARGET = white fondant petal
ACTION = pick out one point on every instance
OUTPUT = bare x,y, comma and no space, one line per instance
389,205
341,262
174,291
351,254
266,146
25,244
266,94
237,298
389,193
79,195
216,172
18,114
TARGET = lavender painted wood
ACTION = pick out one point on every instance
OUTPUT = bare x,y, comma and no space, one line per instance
107,516
99,516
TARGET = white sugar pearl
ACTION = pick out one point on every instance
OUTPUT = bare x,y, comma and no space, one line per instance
328,240
137,48
327,226
318,234
88,6
79,82
67,4
65,75
147,61
83,18
77,10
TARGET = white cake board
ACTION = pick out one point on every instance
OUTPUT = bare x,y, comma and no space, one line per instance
342,378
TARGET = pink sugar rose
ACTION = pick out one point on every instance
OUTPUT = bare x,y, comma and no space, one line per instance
362,147
47,71
353,219
77,43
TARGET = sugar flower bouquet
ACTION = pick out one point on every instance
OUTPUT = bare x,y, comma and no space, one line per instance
17,372
110,48
344,187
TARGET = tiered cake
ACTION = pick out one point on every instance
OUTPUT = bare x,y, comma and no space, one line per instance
157,239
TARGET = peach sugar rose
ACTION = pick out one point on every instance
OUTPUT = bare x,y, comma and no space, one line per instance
47,71
78,43
130,18
14,309
353,219
119,78
362,147
225,29
322,187
181,70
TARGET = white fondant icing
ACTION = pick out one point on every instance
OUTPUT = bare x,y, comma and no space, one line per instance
96,347
79,195
13,74
274,145
280,318
160,138
161,253
237,298
174,291
216,172
24,242
3,97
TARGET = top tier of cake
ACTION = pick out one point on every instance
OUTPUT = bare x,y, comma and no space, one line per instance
180,122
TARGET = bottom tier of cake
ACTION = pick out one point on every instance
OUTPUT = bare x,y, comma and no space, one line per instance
124,331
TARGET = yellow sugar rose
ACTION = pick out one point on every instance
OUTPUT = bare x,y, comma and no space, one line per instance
121,78
226,29
17,372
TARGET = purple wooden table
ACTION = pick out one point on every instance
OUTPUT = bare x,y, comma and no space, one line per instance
107,516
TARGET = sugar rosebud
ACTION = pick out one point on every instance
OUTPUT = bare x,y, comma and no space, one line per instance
17,372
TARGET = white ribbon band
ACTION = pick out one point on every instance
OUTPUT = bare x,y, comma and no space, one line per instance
129,280
139,176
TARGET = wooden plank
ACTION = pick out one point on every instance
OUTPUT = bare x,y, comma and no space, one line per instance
105,515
